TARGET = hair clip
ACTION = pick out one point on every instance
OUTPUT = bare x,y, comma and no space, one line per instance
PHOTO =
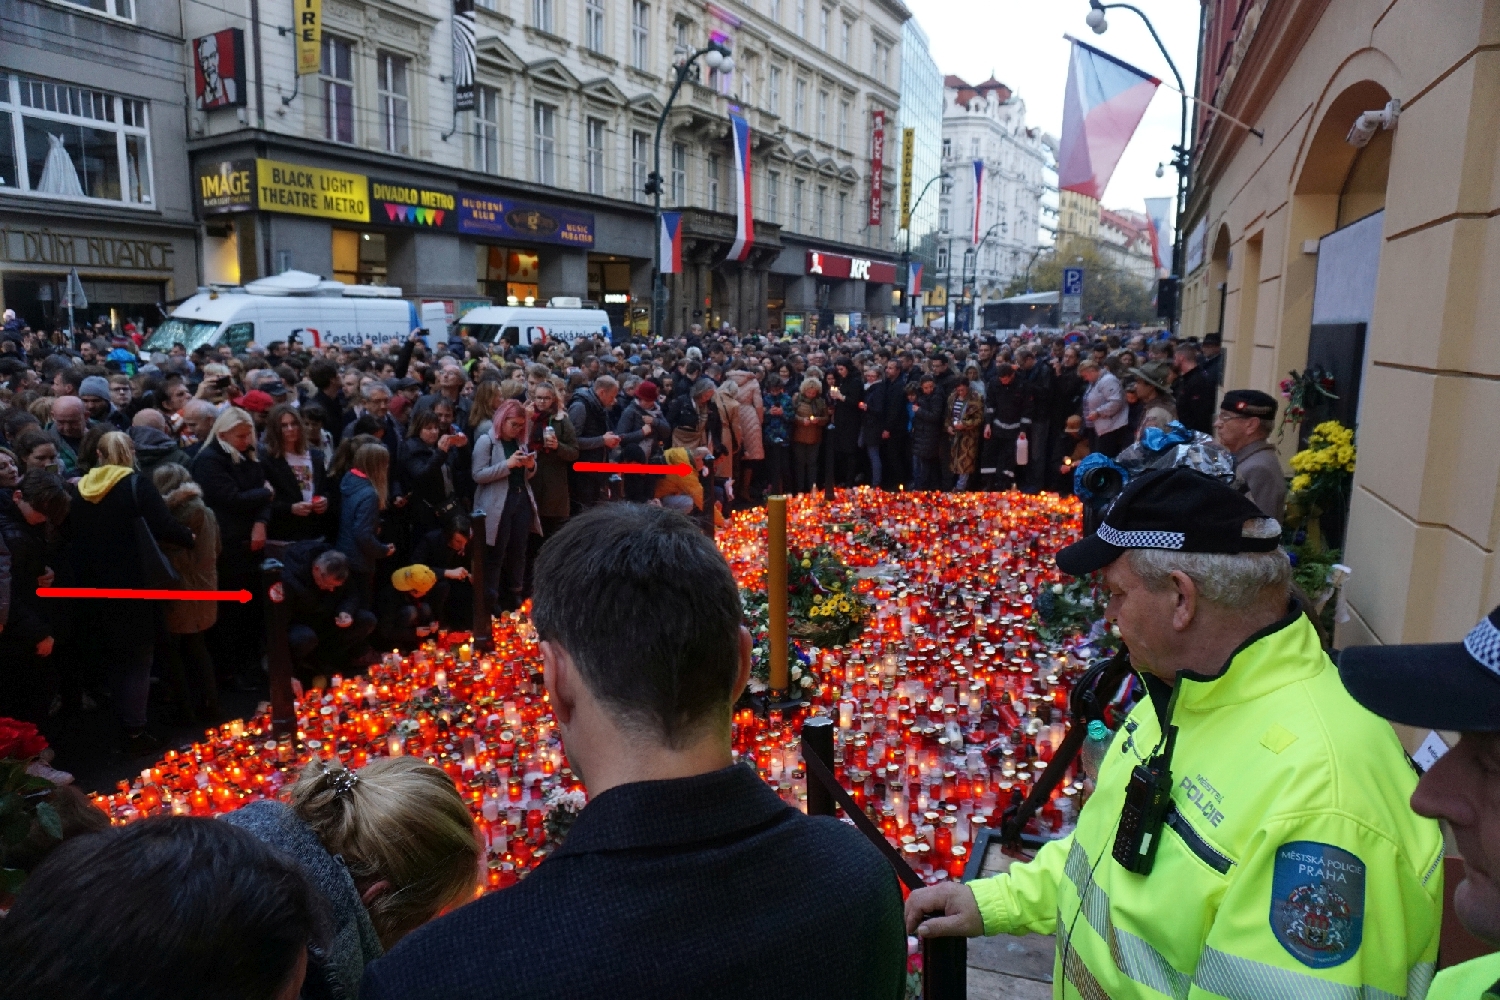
341,780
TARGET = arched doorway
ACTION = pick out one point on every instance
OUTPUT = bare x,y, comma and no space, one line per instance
1335,229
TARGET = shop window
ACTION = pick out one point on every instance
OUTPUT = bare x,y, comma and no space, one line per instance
395,103
508,276
238,336
487,130
73,142
337,78
359,258
544,138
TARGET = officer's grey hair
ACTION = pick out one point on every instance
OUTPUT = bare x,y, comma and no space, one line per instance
1229,581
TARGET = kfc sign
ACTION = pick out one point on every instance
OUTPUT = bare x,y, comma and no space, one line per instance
835,265
219,70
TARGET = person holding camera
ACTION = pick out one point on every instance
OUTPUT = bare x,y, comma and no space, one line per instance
503,466
1248,835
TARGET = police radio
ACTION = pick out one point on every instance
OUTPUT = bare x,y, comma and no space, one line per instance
1148,797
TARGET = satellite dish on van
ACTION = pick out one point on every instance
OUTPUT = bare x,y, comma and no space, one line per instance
285,283
565,302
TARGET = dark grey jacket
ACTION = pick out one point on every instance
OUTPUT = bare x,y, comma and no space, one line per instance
352,941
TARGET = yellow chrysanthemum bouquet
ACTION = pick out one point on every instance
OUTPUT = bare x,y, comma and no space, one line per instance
1323,471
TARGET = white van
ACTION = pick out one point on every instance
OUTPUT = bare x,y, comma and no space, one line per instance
295,303
528,326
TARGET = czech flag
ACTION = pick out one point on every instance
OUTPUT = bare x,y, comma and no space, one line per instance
978,196
744,230
1105,101
671,242
1157,210
913,282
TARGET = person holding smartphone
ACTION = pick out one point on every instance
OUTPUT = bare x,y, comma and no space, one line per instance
503,466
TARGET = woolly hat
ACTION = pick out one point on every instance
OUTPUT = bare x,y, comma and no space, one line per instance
95,386
415,579
646,393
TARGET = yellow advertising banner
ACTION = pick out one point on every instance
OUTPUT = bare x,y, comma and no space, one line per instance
307,16
937,295
908,141
300,190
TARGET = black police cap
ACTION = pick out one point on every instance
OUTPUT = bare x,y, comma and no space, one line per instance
1438,685
1175,509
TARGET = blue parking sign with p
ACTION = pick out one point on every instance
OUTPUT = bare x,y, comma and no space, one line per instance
1072,281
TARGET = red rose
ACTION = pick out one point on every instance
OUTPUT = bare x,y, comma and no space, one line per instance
19,740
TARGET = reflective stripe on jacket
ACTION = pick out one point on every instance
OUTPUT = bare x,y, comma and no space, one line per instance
1278,778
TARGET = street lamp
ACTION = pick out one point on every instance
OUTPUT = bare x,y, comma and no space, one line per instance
906,255
1181,160
1004,228
717,57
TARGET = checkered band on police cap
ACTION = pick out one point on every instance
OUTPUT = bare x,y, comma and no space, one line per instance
1483,642
1142,539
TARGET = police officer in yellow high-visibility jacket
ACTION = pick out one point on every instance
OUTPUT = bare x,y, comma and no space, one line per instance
1451,686
1286,864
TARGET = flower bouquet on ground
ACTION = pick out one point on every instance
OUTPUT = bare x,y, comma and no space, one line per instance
1322,475
822,604
24,787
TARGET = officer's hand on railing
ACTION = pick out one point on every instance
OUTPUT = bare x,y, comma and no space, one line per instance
947,909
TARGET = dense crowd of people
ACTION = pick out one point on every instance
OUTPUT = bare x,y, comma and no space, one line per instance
359,471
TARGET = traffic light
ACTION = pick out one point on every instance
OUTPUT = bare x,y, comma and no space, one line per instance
654,183
1166,297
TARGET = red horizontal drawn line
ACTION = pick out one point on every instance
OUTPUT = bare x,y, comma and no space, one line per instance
242,596
633,469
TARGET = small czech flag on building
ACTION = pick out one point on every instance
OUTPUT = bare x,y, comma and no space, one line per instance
978,196
671,242
1104,102
744,230
913,282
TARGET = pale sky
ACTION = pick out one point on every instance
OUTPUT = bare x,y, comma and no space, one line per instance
1022,42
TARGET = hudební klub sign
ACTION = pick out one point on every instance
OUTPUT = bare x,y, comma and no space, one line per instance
505,218
275,186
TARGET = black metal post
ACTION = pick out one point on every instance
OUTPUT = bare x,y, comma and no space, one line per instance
817,737
278,651
710,501
484,631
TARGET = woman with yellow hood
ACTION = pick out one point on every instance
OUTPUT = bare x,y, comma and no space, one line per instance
684,493
102,549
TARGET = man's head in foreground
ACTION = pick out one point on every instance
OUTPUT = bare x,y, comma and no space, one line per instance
1452,686
640,625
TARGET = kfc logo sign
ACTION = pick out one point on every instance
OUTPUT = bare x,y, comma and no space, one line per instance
833,265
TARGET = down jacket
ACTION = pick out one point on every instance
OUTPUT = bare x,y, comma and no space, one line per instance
198,566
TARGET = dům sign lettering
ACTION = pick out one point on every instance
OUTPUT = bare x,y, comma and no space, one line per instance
504,218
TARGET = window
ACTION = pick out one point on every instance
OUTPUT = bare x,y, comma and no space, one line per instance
119,8
776,11
947,149
799,23
593,25
843,214
880,60
487,130
395,100
773,90
595,163
681,29
541,15
679,173
823,17
942,220
544,136
640,160
846,37
713,182
942,259
819,204
799,107
65,141
843,124
823,115
797,185
337,76
974,149
640,34
773,196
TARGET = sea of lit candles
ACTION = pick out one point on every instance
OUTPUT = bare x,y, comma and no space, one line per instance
947,706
